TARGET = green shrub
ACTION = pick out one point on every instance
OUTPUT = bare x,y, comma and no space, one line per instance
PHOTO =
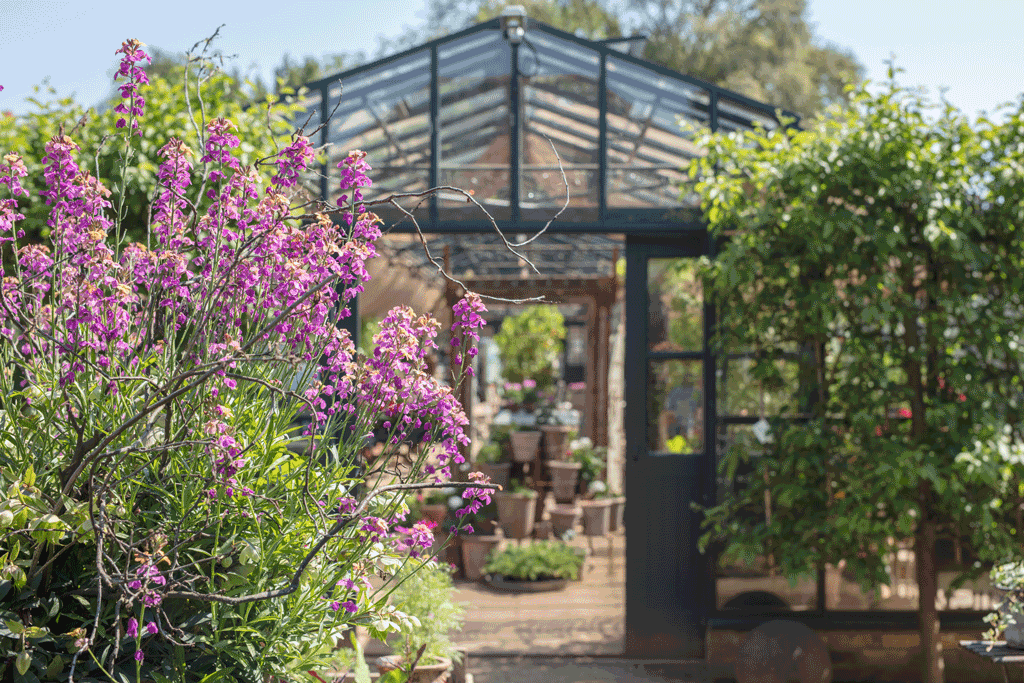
537,561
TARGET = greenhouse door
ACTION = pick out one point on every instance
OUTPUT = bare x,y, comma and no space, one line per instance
669,413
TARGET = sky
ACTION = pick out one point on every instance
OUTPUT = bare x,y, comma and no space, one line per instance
971,47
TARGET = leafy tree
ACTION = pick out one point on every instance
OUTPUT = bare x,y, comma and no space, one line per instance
764,49
885,242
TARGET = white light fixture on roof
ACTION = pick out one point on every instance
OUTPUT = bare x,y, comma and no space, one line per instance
513,23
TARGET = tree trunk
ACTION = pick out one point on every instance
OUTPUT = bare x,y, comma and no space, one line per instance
928,615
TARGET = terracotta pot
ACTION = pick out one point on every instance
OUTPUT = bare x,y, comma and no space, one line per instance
525,446
429,669
475,550
516,513
542,529
564,518
618,505
434,512
497,471
596,516
563,480
556,441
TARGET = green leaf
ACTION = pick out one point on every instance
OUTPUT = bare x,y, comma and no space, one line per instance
23,662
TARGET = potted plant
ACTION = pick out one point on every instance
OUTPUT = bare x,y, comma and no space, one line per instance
537,566
1008,619
592,461
516,510
491,461
529,345
564,476
557,433
597,509
564,518
525,444
425,595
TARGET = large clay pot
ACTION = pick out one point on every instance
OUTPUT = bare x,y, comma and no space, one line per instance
496,471
428,670
516,513
525,446
556,442
564,518
563,480
618,506
596,516
475,550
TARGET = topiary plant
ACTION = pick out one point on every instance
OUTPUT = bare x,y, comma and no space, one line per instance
529,345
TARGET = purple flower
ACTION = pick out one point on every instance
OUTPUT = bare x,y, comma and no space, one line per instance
152,628
133,628
139,656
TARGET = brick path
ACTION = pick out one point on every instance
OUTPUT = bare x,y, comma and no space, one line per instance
587,618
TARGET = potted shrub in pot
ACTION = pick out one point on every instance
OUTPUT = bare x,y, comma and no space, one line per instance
591,459
597,510
516,509
425,646
564,476
564,518
525,443
538,566
492,462
1008,620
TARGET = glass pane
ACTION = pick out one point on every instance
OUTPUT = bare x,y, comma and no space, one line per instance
386,113
560,126
750,589
474,125
676,305
648,149
675,407
740,394
734,115
842,592
487,184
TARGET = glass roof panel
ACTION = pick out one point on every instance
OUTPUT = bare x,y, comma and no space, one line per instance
647,149
733,115
560,127
386,113
473,77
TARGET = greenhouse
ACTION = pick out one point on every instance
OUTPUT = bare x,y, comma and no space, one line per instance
563,166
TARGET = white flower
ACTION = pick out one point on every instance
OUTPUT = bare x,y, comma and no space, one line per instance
597,486
455,501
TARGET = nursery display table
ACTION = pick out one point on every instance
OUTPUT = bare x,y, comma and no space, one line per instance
1000,654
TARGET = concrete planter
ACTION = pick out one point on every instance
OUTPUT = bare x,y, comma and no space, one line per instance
563,480
525,446
596,516
564,518
475,550
496,471
618,506
516,513
556,442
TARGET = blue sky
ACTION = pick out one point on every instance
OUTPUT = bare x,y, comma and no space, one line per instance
971,47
